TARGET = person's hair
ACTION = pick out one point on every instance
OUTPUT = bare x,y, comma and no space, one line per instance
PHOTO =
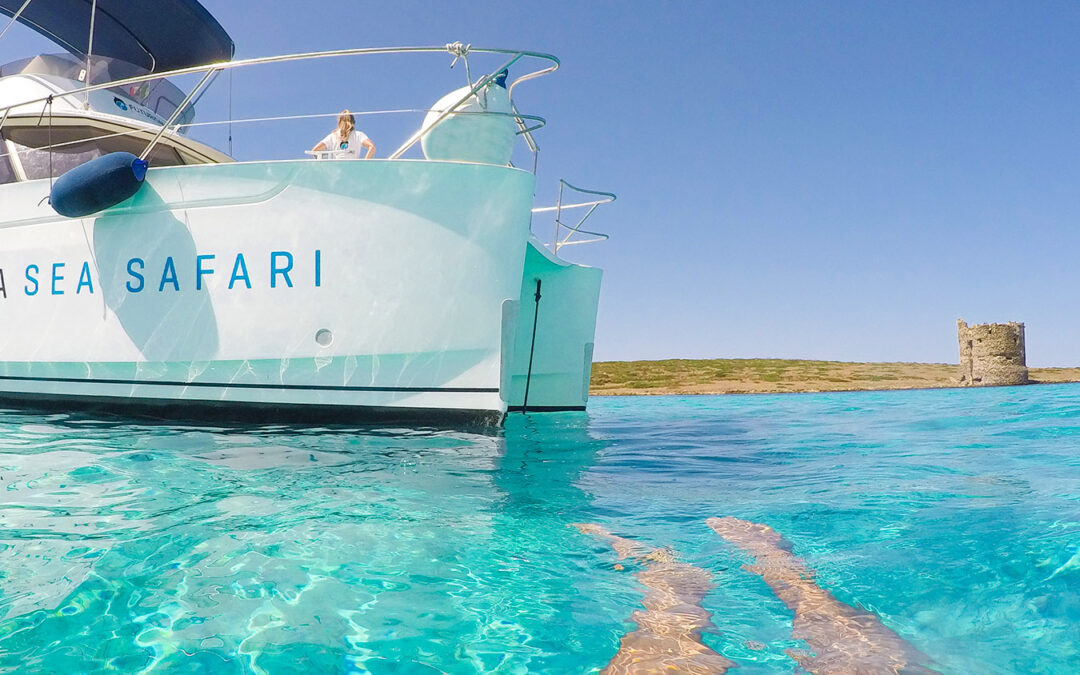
345,125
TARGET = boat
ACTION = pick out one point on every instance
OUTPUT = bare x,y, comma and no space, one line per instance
146,273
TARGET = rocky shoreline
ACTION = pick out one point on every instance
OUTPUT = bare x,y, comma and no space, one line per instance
769,376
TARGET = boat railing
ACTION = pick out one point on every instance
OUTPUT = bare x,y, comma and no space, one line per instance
520,118
537,122
526,123
569,235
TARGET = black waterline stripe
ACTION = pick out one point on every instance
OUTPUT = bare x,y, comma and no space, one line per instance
232,413
249,385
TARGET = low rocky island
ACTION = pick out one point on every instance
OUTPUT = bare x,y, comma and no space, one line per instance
766,376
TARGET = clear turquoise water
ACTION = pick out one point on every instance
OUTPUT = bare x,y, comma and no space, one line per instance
955,515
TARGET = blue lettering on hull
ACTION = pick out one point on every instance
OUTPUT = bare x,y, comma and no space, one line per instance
171,274
84,279
239,271
135,276
30,279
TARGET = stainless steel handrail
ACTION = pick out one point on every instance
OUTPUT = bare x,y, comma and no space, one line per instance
556,244
214,68
230,65
540,123
176,113
481,84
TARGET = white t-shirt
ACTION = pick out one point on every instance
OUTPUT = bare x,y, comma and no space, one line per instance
351,149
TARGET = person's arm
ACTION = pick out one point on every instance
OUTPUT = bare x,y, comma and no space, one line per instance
324,144
366,143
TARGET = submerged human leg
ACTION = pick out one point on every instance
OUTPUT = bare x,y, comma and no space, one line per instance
842,639
668,636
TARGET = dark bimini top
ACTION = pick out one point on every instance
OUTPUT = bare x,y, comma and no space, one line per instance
160,35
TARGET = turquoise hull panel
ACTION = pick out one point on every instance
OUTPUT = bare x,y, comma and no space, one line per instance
565,320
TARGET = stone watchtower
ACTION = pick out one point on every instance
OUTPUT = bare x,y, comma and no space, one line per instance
992,354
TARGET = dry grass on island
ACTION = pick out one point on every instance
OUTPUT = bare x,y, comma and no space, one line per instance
762,376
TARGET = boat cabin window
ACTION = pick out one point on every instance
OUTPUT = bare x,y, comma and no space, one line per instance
158,95
7,174
73,146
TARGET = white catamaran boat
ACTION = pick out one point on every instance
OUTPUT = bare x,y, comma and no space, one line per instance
143,272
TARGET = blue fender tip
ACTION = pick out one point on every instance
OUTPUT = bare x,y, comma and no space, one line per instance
97,185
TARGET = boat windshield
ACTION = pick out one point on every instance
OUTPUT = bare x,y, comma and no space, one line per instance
157,95
73,146
7,174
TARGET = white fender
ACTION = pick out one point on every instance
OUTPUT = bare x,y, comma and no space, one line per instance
471,137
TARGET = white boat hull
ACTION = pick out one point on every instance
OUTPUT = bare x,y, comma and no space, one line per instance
310,289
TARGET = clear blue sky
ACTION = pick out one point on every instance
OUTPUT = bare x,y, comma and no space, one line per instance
836,180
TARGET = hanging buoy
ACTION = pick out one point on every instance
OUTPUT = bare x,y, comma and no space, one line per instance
98,184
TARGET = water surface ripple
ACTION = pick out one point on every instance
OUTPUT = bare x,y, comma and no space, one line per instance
954,515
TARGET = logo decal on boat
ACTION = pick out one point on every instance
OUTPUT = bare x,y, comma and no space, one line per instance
119,103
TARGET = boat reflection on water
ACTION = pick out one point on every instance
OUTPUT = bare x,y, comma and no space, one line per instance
339,549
